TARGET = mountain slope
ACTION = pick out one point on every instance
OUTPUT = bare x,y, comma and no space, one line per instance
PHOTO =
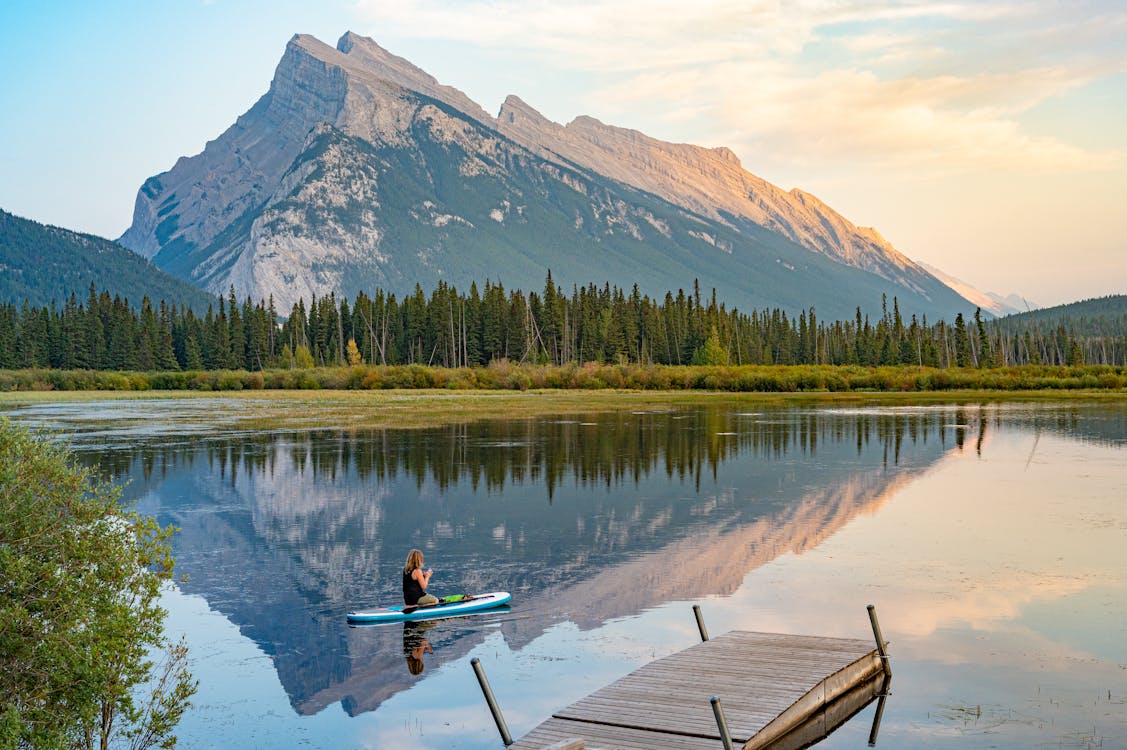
43,264
990,302
356,170
708,181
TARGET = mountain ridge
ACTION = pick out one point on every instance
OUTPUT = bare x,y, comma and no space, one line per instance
612,204
669,171
990,302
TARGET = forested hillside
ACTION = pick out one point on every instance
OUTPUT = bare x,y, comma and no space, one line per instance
1099,316
41,264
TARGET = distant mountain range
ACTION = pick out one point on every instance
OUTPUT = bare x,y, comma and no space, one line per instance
41,264
991,302
358,170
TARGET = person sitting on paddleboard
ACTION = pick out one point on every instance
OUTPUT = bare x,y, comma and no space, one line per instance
415,581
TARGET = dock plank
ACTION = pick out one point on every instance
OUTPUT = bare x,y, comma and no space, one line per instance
768,683
599,737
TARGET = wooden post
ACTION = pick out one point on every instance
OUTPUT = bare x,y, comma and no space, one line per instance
491,701
881,645
700,622
880,711
721,722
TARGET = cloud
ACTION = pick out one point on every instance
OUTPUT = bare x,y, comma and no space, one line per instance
948,124
918,85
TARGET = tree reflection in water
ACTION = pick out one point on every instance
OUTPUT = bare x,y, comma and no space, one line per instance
583,518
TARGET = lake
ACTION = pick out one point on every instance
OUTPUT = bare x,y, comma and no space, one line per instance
992,540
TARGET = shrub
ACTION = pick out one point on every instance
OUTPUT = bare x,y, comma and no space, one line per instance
228,381
82,579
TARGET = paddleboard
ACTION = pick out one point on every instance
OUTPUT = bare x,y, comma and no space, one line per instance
476,603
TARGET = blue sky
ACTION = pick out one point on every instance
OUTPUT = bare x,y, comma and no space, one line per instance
986,138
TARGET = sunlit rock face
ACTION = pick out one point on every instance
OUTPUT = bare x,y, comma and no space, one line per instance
358,170
190,204
709,181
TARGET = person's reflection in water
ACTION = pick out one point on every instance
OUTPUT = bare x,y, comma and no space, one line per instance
415,644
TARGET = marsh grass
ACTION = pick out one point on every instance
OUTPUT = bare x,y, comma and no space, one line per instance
508,376
339,409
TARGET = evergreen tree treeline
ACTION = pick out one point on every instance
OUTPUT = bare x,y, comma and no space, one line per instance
452,329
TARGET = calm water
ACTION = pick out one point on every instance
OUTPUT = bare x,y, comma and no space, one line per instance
992,540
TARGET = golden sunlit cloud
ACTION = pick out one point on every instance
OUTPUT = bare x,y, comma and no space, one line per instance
891,85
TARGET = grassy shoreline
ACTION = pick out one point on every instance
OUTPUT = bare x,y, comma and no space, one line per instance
277,410
508,376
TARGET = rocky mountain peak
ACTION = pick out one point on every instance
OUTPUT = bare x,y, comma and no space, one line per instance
727,154
306,43
515,109
350,39
368,59
358,168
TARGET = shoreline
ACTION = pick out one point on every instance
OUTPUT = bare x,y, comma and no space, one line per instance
416,408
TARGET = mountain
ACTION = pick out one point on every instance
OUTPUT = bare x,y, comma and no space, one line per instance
709,182
1013,302
358,170
990,302
41,264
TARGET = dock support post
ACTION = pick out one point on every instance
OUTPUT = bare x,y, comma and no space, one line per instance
721,722
700,622
880,641
491,701
880,711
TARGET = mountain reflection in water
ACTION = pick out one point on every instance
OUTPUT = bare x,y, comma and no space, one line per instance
583,519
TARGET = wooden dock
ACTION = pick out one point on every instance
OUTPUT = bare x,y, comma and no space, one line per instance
772,688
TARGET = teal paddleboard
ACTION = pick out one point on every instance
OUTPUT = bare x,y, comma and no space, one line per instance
401,613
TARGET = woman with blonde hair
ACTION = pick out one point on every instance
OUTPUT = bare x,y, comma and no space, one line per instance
415,581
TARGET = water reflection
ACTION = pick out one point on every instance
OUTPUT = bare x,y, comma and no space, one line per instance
592,518
415,645
583,519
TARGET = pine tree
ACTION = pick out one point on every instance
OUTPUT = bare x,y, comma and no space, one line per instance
712,352
236,334
985,356
962,343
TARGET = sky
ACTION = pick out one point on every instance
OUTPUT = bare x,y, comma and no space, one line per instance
988,139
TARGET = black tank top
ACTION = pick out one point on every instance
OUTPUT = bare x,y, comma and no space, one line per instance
412,591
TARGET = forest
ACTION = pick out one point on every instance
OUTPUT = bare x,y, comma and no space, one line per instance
452,329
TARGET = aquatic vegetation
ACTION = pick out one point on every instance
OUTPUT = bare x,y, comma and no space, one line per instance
504,375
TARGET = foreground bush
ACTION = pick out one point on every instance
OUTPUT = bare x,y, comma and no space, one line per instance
80,580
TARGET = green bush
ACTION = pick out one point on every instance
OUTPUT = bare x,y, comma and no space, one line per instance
80,610
228,381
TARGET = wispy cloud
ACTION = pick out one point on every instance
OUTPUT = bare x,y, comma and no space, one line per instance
923,85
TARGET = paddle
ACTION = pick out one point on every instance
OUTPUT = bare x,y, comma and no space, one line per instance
453,599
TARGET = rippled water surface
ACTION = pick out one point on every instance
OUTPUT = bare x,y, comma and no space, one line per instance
992,540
